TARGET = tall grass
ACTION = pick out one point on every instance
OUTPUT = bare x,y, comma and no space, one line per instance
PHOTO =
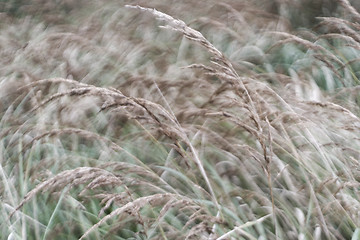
226,126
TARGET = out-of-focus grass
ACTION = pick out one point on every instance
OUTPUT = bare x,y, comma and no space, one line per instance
112,127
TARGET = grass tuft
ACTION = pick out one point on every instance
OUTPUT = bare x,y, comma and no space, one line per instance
237,124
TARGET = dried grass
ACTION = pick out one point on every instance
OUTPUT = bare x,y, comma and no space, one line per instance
179,147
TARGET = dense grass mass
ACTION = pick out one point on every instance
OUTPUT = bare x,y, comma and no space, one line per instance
179,119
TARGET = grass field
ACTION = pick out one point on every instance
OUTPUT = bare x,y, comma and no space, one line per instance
179,119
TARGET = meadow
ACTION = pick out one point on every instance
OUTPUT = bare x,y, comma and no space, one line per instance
179,119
